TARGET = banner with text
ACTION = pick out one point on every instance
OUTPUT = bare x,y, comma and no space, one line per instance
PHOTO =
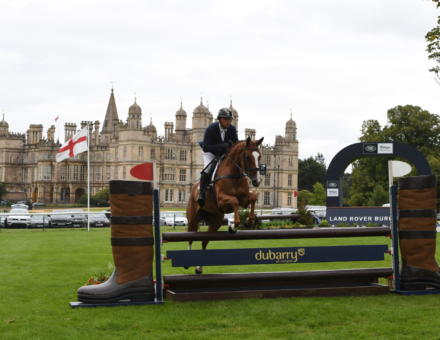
358,215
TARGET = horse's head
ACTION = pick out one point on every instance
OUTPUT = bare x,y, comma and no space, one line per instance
251,160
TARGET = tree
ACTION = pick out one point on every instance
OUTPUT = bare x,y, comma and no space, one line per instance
318,195
304,197
433,46
310,171
406,124
2,190
101,198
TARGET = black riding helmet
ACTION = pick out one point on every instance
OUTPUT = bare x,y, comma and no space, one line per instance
225,113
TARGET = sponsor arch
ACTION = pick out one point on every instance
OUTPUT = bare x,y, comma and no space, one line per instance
355,151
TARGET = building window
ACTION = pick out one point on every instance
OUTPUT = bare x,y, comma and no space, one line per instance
108,172
267,179
267,159
82,173
162,174
266,198
169,193
125,153
76,173
169,154
46,172
63,173
141,152
183,155
124,172
153,154
289,180
290,161
181,195
289,199
182,175
98,173
169,174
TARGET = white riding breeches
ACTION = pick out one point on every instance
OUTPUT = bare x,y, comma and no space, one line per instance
207,158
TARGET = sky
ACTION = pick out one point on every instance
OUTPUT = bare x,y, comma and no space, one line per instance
331,64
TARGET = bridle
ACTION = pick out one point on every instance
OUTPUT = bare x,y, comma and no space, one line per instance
243,172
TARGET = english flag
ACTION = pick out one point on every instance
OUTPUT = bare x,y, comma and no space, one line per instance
73,146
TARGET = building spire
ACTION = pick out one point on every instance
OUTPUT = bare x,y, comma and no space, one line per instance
111,116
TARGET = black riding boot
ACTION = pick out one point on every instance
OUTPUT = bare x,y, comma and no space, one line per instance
204,181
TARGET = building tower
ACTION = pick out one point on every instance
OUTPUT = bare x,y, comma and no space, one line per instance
200,120
134,121
234,116
111,119
151,130
290,130
69,131
35,133
4,127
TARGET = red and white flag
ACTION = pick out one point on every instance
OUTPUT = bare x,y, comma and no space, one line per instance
73,146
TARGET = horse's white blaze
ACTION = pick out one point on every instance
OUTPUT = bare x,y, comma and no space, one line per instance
256,155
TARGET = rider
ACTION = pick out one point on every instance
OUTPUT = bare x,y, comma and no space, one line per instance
216,141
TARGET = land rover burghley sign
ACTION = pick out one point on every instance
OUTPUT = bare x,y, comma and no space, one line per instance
358,215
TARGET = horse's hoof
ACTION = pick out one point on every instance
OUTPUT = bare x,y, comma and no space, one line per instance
186,267
199,271
232,230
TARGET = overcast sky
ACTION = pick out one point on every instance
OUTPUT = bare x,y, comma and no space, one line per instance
333,63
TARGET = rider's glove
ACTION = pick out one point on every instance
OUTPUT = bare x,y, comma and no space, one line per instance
224,147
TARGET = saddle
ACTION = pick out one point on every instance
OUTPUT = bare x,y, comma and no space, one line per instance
213,170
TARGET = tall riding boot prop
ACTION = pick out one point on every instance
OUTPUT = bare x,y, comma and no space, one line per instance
204,181
417,232
132,246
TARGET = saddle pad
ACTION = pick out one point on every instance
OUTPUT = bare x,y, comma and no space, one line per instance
215,171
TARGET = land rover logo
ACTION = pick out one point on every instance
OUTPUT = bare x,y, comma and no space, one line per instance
332,185
370,148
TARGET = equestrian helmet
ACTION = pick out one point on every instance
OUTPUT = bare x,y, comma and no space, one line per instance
225,113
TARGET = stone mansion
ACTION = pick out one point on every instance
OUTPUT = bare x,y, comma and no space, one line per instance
30,172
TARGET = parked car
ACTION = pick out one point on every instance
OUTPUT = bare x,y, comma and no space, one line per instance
20,206
98,220
38,204
176,219
61,220
162,219
79,220
18,218
3,221
40,221
284,211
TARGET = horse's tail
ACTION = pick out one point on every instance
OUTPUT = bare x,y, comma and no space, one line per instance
192,209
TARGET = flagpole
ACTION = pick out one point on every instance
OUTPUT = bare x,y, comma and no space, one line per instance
88,178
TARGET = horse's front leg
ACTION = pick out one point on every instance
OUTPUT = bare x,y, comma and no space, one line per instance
226,202
252,198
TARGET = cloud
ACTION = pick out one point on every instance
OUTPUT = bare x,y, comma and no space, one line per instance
333,64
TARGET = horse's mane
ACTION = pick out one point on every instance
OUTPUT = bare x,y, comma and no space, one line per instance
236,148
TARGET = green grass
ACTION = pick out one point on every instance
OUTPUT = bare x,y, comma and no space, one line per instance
41,270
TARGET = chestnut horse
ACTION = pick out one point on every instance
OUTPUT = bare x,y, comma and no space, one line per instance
230,190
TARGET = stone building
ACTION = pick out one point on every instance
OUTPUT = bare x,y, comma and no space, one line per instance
29,170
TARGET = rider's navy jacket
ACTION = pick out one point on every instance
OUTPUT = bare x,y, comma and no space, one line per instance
212,140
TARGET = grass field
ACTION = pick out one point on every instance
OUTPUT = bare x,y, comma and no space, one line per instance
41,270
